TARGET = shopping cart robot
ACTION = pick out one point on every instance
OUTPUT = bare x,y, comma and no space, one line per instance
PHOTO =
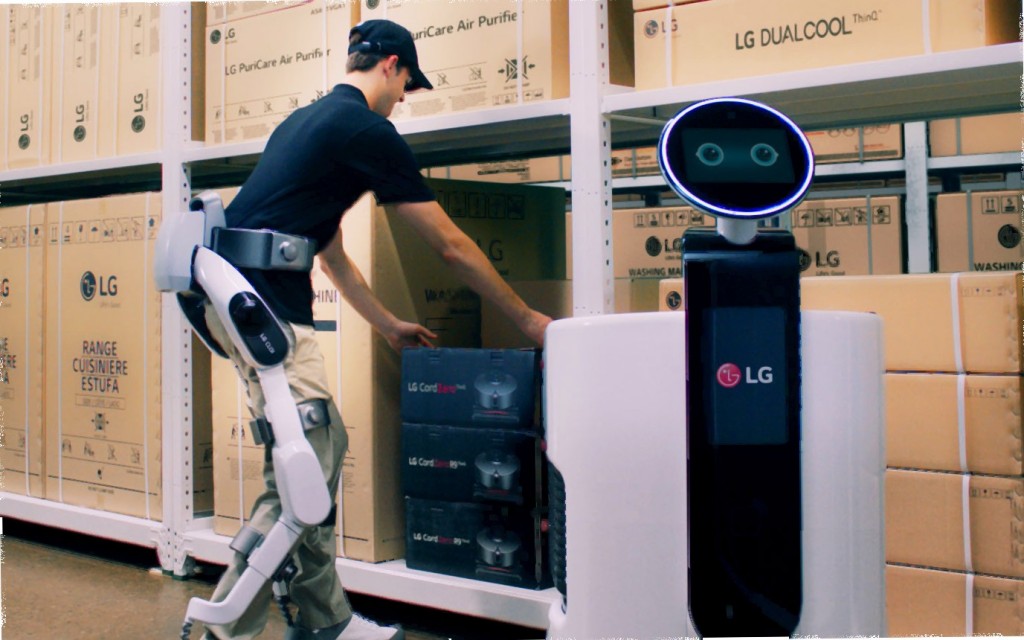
719,471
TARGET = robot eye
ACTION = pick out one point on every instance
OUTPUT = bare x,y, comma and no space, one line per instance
710,154
764,154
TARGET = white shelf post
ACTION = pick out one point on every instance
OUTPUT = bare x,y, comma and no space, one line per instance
593,290
915,141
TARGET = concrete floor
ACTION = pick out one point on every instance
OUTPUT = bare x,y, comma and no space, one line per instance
57,585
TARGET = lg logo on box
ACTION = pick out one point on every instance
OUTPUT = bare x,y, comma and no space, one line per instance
90,285
729,375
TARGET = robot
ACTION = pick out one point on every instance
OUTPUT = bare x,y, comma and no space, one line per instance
196,257
722,475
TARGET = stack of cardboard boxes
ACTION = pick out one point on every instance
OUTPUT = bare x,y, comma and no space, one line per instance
472,464
81,346
954,487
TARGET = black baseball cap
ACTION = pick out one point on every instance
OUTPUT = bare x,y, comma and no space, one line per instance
389,38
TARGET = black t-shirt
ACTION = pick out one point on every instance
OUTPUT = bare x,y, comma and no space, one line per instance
316,164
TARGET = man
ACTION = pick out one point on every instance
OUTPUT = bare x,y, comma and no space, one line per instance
316,164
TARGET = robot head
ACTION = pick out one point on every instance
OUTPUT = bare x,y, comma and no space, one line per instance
736,158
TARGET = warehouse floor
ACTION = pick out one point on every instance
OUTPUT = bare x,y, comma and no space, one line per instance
64,585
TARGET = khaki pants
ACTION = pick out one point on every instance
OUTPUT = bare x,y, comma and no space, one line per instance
316,589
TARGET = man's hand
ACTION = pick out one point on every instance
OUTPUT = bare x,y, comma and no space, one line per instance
408,334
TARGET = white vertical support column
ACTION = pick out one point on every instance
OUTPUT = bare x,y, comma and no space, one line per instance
176,334
915,141
593,291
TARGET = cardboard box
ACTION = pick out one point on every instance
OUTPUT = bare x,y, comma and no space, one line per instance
138,127
261,67
631,163
725,39
103,416
550,297
22,291
923,430
921,330
5,64
644,5
998,133
521,229
647,243
31,32
849,236
857,144
925,526
464,387
993,224
469,52
85,111
925,602
549,169
471,464
670,295
219,12
494,543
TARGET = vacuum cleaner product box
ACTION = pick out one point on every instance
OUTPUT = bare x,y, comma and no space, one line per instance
926,602
997,133
262,66
849,236
138,126
481,387
953,323
469,464
469,51
493,543
31,33
967,423
22,292
954,521
103,374
724,39
993,224
857,144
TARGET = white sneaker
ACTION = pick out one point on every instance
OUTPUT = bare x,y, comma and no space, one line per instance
359,628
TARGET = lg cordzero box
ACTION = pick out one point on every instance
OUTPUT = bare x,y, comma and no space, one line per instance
979,231
494,543
470,464
952,323
997,133
22,293
481,387
954,521
966,423
928,602
849,236
724,39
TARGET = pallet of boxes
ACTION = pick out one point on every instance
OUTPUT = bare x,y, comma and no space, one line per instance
954,490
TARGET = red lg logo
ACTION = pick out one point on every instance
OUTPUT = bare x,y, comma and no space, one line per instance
729,375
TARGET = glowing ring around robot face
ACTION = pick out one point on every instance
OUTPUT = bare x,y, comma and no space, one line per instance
713,209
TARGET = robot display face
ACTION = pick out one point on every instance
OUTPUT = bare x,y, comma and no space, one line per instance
736,158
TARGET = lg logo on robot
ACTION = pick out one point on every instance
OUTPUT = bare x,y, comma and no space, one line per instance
729,375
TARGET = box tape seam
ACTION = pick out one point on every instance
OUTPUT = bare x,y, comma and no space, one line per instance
926,24
145,358
521,62
870,216
966,505
28,352
117,83
60,353
954,292
969,605
666,28
969,194
961,414
60,83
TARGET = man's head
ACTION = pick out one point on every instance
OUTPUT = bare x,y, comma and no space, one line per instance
387,48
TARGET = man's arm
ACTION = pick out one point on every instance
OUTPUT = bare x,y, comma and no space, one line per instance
463,256
350,282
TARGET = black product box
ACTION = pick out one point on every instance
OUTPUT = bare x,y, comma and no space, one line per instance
470,464
462,387
494,543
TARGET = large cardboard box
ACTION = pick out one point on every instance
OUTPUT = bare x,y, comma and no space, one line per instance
103,392
31,32
997,133
263,66
470,52
979,231
954,521
967,322
725,39
85,109
22,291
548,169
138,126
969,423
221,11
849,236
926,602
857,144
647,243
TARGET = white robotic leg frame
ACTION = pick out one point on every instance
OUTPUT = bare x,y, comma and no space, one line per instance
262,342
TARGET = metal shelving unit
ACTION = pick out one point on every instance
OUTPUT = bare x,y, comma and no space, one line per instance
595,117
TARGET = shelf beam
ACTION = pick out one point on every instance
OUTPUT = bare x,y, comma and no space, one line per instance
102,524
